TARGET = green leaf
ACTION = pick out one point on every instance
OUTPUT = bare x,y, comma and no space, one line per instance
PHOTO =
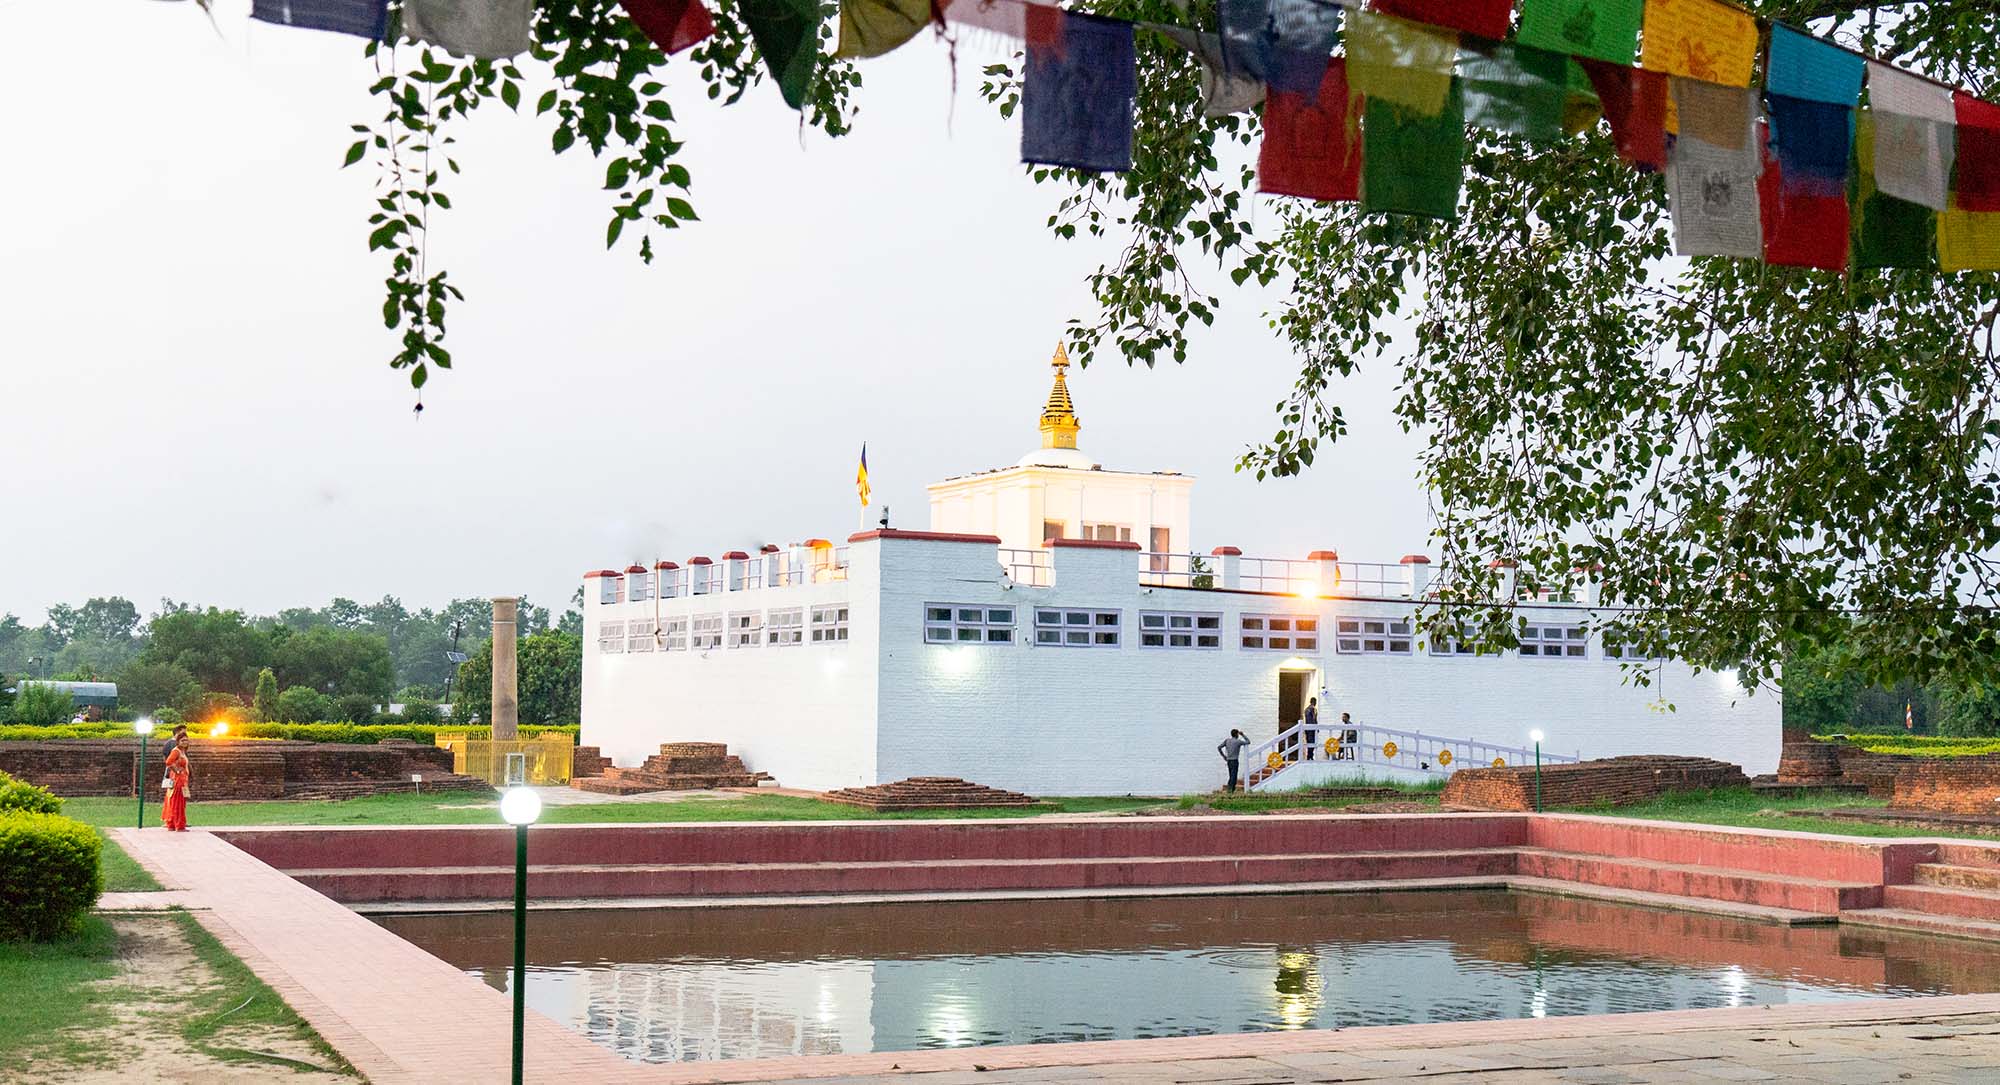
355,152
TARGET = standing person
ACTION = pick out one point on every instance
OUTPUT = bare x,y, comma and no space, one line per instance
1312,713
173,812
1231,750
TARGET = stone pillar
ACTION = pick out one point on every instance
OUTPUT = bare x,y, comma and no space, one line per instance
1416,575
1229,574
506,707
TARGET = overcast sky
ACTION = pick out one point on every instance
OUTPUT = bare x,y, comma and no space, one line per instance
196,402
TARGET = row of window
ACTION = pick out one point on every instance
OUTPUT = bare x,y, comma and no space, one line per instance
781,628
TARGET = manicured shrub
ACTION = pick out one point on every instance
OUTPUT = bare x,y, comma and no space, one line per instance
364,734
22,796
43,706
48,875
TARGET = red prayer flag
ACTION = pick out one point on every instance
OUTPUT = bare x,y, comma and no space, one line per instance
1800,229
1977,187
1486,18
673,25
1313,148
1044,27
1635,102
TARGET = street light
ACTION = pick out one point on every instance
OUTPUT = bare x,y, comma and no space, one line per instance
143,725
1535,736
520,806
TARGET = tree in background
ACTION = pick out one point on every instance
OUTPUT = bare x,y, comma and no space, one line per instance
420,712
37,705
265,704
341,662
548,680
215,707
1968,708
354,708
148,686
303,704
220,648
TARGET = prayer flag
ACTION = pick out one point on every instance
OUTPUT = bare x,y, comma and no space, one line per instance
1597,29
1802,225
1803,66
1914,135
1513,88
1635,104
673,25
870,28
362,18
1712,171
1076,102
787,34
1976,186
1486,18
861,477
1222,91
1700,39
1390,60
1812,140
1886,231
493,29
1007,17
1312,148
1969,241
1283,42
1413,162
1581,109
1909,717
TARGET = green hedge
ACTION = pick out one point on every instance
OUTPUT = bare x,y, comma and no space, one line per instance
1917,745
356,733
24,797
48,875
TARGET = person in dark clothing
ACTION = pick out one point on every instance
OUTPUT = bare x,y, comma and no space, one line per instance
1231,750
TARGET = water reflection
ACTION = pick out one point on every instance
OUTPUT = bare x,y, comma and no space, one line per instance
674,985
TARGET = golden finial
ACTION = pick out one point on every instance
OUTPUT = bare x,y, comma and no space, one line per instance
1059,423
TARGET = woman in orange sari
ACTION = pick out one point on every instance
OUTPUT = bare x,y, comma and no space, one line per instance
174,811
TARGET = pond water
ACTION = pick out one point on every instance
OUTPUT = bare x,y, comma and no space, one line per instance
668,985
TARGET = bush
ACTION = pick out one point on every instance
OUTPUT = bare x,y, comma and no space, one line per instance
48,875
359,707
22,796
43,706
302,704
355,733
421,712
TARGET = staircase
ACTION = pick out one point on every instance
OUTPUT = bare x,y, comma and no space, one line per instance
679,766
1959,891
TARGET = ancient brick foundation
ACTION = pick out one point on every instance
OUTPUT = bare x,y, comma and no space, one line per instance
587,761
1616,781
1909,782
237,768
928,793
1949,785
679,766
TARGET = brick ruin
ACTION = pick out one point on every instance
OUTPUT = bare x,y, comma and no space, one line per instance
1942,785
227,769
1615,781
679,766
928,793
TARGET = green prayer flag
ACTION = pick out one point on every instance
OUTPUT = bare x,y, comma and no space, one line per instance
1885,231
870,28
1514,88
1599,29
1413,163
787,35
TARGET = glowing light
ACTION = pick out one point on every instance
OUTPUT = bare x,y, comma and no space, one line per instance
520,806
220,729
143,725
957,660
1538,1004
1296,663
1303,587
1536,736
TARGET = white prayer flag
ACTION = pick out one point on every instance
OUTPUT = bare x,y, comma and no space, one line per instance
1712,172
491,29
1222,92
1915,136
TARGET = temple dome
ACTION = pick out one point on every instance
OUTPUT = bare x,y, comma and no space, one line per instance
1059,426
1073,458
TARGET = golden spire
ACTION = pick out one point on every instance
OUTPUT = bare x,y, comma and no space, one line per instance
1059,424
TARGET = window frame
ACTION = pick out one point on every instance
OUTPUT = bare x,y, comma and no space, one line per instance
979,619
1094,630
674,634
781,621
1301,632
1200,625
1533,642
611,637
703,627
1391,632
820,624
749,634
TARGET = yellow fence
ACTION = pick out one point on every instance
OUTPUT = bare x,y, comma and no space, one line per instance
543,760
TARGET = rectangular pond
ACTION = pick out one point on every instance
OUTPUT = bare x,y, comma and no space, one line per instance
675,984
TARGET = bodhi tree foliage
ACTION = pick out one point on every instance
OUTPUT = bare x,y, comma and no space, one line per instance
1742,457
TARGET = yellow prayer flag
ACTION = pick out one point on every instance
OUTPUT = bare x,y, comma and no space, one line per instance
861,476
1701,39
1968,240
870,28
1399,61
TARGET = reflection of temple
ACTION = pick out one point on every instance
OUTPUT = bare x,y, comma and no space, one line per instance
664,1013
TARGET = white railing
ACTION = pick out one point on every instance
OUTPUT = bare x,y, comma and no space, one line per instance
1028,568
1381,747
1164,570
1371,578
1279,575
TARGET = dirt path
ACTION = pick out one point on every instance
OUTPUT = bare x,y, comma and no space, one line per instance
163,985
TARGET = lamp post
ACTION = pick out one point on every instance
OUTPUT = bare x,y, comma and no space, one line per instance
143,725
1536,737
520,806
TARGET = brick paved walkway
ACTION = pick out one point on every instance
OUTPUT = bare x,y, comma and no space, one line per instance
401,1015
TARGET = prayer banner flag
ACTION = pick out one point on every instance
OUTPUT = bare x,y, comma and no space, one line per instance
1222,91
787,34
1635,104
1076,102
1976,186
1712,171
1803,66
1486,18
1700,39
673,25
1803,227
1915,143
1006,17
1596,29
1390,60
1813,141
1512,88
361,18
1283,42
1886,232
1413,162
1968,241
861,486
870,28
493,29
1312,148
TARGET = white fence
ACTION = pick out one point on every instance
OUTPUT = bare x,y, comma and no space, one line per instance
1367,746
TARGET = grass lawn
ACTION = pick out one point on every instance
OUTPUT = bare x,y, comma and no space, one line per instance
50,987
240,1001
121,873
1253,802
459,809
1741,806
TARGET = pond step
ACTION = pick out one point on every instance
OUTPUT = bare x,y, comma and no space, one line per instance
1710,883
1940,900
1904,919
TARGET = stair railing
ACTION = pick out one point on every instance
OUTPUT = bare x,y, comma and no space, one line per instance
1383,747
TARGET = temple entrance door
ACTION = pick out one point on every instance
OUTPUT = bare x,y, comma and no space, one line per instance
1292,686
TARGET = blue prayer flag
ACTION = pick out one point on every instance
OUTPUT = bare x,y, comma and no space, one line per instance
1811,141
1803,66
1076,106
1284,43
362,18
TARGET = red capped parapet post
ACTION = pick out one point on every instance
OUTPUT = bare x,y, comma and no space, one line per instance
1329,570
669,576
700,581
1416,575
734,564
1229,567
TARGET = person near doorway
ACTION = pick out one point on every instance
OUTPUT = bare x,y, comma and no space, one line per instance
1349,737
1231,750
1312,713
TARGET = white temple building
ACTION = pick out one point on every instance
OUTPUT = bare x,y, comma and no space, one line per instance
1056,631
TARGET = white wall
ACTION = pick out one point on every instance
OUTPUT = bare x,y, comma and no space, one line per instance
1013,503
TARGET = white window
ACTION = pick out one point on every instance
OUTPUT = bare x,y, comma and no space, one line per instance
610,636
1554,641
1108,532
674,635
829,623
1059,628
785,627
746,629
707,632
1630,649
1280,632
638,587
707,578
1372,636
640,636
962,623
1179,629
1455,643
608,589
